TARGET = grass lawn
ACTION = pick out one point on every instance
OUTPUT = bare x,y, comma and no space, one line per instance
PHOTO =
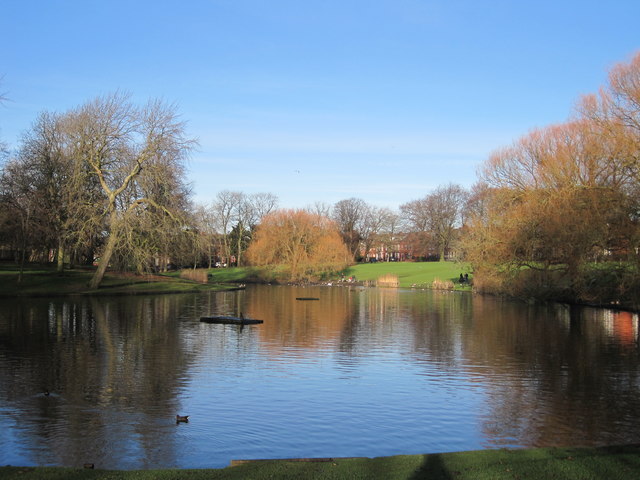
232,275
39,281
410,274
419,274
611,463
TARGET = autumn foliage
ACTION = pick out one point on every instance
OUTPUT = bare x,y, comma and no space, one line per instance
560,206
304,244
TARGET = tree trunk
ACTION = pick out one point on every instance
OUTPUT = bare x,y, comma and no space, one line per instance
239,245
96,280
227,249
23,241
60,265
105,258
23,255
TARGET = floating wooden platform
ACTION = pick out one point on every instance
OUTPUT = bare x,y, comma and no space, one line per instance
307,298
227,319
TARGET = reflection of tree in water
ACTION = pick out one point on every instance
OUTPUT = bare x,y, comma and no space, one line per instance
438,320
357,322
111,365
550,375
296,325
115,367
555,375
352,321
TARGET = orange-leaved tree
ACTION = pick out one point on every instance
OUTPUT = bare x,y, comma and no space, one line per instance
303,243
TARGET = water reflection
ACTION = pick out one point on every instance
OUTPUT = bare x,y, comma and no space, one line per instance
97,359
360,372
569,376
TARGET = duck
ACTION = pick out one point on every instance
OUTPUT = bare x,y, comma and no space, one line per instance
182,418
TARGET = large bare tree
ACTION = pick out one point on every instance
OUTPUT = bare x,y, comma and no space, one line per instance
137,155
438,214
445,206
375,223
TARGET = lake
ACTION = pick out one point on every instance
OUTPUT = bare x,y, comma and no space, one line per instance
358,372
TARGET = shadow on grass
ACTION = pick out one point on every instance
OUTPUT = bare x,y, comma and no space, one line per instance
433,468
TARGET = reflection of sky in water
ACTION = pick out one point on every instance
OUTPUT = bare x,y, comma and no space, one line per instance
327,403
358,373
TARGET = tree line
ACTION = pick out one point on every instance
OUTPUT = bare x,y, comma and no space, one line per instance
239,229
104,184
553,215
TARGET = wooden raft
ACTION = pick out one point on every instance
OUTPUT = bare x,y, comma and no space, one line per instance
229,320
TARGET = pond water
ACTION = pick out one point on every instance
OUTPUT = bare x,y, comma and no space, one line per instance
359,372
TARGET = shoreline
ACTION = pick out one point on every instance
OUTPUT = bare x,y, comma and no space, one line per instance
588,463
43,281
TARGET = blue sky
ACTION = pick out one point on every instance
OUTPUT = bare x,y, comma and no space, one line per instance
320,100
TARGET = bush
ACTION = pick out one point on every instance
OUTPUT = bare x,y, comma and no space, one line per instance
200,275
438,284
388,280
608,283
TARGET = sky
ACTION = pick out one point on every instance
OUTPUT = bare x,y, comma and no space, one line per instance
317,101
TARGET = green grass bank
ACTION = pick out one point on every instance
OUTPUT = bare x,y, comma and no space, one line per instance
611,463
410,274
45,281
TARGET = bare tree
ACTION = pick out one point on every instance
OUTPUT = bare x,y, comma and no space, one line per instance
416,215
240,214
415,219
445,206
206,225
244,216
438,214
262,204
49,173
137,156
372,225
16,212
4,151
349,215
389,228
223,207
48,180
320,208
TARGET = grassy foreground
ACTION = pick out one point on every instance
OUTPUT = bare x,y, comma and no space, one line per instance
609,463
